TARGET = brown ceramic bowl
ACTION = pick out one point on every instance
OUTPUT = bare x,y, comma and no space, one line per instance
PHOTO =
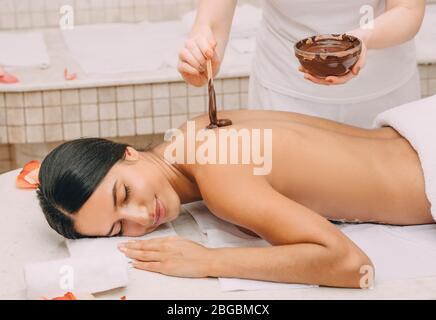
329,54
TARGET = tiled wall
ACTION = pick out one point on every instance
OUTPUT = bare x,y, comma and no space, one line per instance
33,117
123,112
24,14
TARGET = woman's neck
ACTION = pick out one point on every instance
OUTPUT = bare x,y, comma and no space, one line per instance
180,179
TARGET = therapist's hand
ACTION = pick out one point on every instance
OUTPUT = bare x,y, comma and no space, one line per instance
198,47
173,256
333,80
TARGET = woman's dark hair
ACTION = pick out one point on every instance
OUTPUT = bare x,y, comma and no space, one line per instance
69,175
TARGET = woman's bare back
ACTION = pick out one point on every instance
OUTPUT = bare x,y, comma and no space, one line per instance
342,172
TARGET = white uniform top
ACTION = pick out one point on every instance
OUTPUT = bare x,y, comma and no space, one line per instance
287,21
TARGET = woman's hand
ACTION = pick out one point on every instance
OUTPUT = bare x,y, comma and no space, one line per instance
333,80
192,58
173,256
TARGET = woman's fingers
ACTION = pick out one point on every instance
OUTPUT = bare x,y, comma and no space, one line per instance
142,255
153,266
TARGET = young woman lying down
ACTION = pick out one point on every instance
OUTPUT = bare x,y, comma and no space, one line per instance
320,170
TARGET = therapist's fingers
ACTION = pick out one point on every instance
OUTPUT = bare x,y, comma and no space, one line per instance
316,80
186,68
340,80
360,64
195,51
206,48
186,55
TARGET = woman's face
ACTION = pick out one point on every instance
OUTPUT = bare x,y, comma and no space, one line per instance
133,199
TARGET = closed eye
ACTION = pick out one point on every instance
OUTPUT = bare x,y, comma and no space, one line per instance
128,192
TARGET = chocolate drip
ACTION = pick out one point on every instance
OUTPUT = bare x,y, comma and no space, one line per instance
214,121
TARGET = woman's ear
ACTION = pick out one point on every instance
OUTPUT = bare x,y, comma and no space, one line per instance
131,154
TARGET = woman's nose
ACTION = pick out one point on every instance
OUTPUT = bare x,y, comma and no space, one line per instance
137,214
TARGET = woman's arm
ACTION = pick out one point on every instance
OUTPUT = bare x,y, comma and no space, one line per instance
306,249
400,23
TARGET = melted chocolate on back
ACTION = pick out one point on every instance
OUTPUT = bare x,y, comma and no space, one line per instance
214,122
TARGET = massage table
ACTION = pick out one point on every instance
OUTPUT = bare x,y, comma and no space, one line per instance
26,238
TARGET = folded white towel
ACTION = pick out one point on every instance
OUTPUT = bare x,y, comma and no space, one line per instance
416,121
27,49
78,275
89,247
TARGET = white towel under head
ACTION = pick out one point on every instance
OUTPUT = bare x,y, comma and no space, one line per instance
416,121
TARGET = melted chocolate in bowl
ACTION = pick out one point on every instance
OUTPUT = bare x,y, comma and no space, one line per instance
328,55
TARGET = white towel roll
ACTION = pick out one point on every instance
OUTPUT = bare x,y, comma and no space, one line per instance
416,121
78,275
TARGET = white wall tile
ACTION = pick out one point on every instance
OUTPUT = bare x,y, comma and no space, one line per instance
160,90
71,113
88,95
231,101
197,91
143,108
2,116
90,129
52,115
178,89
15,116
33,99
125,110
196,104
53,132
14,100
431,87
231,85
178,120
107,111
144,126
3,134
7,21
72,131
125,93
161,107
142,91
126,127
89,112
51,98
107,94
69,97
108,128
16,134
35,134
161,124
34,116
179,105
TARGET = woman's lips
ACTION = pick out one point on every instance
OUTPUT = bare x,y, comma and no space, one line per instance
159,212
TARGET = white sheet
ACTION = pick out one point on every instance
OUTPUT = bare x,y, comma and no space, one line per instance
23,49
396,252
